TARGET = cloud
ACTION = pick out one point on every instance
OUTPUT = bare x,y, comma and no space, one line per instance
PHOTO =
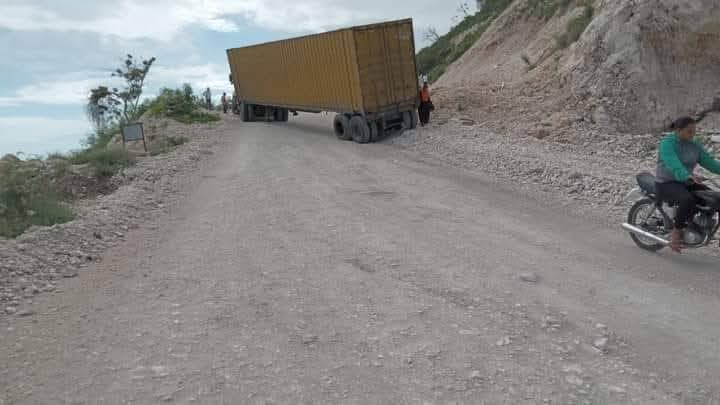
38,135
165,19
73,89
126,19
199,77
62,91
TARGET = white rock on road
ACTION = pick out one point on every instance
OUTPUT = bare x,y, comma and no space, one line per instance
529,277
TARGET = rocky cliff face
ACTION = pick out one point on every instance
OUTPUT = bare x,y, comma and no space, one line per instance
634,67
650,60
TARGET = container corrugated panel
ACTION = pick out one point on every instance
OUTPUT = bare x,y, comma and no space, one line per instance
386,63
361,69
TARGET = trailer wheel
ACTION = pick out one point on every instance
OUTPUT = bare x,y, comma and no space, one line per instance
244,112
280,115
410,120
360,129
341,124
248,111
374,131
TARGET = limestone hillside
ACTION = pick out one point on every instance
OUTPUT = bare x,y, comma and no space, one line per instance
568,69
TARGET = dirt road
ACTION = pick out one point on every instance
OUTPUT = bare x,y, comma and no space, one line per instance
302,269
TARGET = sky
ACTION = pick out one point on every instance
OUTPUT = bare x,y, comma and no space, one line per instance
57,50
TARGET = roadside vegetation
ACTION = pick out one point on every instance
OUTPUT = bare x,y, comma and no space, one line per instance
446,49
28,195
37,191
182,105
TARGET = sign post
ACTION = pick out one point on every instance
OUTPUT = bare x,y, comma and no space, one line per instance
133,132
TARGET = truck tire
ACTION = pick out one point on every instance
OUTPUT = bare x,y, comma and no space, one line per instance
247,112
360,129
281,115
341,124
410,120
243,112
374,131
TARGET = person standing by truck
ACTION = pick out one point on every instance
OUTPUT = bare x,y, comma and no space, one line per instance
426,105
208,98
235,107
224,102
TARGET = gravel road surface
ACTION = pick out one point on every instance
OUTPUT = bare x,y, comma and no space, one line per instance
301,269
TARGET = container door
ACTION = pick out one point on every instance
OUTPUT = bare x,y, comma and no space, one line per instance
386,62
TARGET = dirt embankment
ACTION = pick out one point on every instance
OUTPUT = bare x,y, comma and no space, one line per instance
35,261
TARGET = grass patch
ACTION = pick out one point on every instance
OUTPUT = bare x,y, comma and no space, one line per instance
27,198
434,59
105,162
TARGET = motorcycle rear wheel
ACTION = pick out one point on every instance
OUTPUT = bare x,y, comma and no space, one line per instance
645,215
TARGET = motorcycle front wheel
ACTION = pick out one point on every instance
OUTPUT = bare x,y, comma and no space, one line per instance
645,215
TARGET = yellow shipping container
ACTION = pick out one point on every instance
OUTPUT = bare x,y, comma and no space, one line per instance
365,74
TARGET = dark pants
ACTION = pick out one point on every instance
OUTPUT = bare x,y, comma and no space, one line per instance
424,112
680,193
225,108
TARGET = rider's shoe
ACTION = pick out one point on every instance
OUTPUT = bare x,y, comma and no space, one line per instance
676,240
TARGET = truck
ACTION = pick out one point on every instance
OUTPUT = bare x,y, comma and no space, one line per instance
366,74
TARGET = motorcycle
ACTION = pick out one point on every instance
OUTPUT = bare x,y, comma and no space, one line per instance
650,221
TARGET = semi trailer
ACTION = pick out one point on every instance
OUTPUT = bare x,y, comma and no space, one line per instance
366,74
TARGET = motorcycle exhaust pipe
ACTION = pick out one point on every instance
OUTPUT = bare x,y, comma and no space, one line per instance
640,232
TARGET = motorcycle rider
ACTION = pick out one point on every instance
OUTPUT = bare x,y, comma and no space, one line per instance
679,153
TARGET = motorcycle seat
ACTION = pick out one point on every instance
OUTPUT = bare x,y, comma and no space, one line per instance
646,181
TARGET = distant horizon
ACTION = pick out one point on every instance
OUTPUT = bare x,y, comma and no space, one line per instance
67,50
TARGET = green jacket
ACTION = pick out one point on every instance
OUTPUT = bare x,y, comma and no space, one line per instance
678,159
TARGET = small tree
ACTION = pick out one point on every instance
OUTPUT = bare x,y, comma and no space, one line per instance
106,105
464,10
431,35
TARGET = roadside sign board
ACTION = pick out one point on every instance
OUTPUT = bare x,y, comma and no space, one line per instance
133,132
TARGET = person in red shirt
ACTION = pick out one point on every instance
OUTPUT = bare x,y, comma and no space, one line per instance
425,105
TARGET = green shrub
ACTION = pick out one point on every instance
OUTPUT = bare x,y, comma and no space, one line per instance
179,104
434,59
27,198
105,162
